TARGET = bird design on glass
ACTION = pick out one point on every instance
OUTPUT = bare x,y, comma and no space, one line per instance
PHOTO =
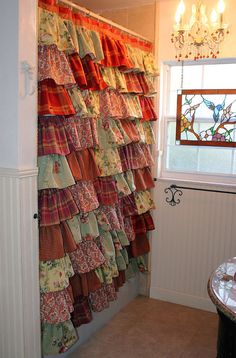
215,108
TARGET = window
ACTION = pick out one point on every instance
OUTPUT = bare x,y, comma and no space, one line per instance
198,163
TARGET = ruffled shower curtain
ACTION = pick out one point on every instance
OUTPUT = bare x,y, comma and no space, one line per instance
96,109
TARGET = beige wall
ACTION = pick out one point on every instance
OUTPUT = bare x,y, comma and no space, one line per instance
140,19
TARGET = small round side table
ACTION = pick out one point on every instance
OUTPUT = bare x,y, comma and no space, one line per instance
222,291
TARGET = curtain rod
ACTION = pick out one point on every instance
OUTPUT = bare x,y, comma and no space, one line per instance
103,19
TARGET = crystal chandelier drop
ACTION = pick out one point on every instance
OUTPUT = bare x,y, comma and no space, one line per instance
199,38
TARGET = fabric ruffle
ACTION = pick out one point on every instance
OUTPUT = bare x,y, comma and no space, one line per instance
142,223
54,172
125,183
78,71
67,16
82,313
87,257
140,246
111,133
88,225
52,31
130,129
108,161
85,196
127,205
143,201
106,190
115,53
94,134
83,165
92,101
83,284
58,338
134,156
56,205
149,137
128,227
114,104
148,111
93,75
54,64
132,83
53,99
100,299
137,58
133,106
54,274
55,241
114,78
112,216
59,135
56,307
109,252
78,101
90,44
149,64
143,179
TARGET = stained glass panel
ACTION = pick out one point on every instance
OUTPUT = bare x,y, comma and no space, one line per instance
206,117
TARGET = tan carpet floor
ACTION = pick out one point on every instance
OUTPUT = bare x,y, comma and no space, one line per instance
148,328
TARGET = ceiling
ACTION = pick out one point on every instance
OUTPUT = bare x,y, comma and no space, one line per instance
99,5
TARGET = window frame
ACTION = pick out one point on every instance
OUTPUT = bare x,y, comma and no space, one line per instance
163,173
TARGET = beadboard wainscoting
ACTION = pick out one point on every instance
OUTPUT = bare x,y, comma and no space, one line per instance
192,239
19,284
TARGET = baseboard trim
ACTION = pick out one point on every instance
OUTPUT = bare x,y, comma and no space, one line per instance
182,299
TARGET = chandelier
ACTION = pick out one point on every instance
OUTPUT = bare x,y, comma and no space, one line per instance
199,38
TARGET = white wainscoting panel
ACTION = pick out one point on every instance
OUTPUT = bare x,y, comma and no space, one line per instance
19,284
191,240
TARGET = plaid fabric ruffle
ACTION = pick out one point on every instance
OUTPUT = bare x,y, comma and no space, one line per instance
60,135
84,283
83,165
140,246
148,110
130,129
149,221
142,223
53,99
120,280
82,313
115,53
132,83
55,241
133,156
127,205
52,136
78,71
56,205
143,179
106,190
143,83
93,75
